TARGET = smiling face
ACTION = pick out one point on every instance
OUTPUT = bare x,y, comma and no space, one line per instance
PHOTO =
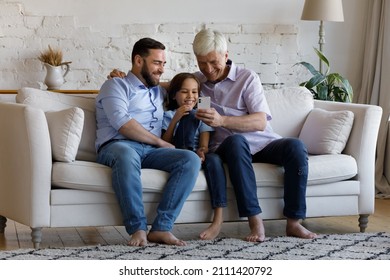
188,93
213,65
150,68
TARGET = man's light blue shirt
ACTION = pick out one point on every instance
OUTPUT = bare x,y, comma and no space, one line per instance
121,100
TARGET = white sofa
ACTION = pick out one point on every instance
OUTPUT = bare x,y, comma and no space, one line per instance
40,192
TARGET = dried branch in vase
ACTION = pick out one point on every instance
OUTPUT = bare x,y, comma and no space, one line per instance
53,57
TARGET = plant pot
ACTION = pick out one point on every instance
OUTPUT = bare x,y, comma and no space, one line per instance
55,75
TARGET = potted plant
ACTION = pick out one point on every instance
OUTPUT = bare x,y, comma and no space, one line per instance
56,69
327,86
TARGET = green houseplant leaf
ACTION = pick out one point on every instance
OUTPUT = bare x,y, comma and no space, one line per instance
327,86
323,59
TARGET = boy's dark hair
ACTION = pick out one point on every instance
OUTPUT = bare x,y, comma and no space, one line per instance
142,47
175,85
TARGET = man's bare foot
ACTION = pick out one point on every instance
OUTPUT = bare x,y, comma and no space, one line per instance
257,229
138,238
295,229
165,237
211,232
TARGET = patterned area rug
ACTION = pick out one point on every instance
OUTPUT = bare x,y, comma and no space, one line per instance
358,246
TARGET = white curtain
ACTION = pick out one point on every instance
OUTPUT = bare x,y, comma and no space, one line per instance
376,85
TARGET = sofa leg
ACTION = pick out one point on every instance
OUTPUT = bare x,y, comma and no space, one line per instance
36,236
3,223
363,222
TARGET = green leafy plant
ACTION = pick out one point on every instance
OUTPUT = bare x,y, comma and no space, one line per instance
327,86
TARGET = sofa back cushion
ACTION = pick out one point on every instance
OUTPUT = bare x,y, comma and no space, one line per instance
65,128
52,101
289,107
326,132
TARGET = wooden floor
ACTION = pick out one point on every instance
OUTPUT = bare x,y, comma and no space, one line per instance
18,236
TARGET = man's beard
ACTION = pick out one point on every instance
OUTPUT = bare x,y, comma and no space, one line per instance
150,82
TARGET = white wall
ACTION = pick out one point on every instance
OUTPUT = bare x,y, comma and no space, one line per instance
107,19
91,12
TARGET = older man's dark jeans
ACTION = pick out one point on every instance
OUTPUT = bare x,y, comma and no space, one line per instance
290,153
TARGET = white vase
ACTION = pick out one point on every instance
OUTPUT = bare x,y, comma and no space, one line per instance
55,75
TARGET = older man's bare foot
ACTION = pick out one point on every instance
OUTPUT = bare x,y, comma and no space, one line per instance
257,229
138,238
295,229
211,232
165,237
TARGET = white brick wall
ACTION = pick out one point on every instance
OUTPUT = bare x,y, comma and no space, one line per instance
270,50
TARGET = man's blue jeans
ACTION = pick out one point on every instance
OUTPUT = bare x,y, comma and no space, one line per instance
290,153
126,158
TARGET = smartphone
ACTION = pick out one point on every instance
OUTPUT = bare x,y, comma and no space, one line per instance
204,102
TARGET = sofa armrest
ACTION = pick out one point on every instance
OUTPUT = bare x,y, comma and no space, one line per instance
361,145
25,165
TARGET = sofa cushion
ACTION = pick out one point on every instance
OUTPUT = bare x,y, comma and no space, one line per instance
289,107
53,101
323,169
65,128
92,176
326,132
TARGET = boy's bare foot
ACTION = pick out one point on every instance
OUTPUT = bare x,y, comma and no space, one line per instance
257,229
138,238
295,229
215,228
211,232
165,237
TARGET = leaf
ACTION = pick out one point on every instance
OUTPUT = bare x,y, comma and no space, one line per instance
347,86
337,94
315,81
322,92
342,86
309,67
323,59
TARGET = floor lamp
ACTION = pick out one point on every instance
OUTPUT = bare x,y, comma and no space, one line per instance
322,10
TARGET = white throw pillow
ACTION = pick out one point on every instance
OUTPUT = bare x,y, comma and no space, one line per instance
54,101
289,105
65,128
326,132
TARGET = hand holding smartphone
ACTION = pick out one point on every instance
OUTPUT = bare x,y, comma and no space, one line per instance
204,102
